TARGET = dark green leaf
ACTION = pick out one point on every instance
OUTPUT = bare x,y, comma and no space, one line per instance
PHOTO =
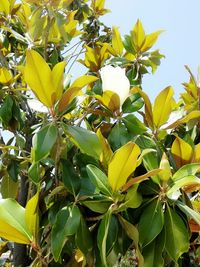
99,179
70,178
67,223
43,142
112,234
134,125
133,103
6,110
151,222
13,169
177,237
100,205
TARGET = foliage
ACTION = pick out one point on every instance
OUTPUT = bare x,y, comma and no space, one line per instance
86,179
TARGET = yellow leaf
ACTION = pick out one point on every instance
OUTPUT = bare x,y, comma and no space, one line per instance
117,44
5,6
109,100
10,233
73,90
107,153
196,157
32,216
163,106
138,35
46,84
122,164
148,107
150,40
181,151
38,77
5,76
165,172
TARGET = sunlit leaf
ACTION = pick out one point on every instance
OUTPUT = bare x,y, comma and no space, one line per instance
117,43
5,76
107,153
192,214
150,40
138,35
122,165
9,188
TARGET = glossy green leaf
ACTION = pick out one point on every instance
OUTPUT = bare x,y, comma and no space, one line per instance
34,172
186,170
12,222
177,237
43,142
9,188
99,179
98,204
70,178
173,192
67,223
153,252
151,222
134,125
86,140
132,200
192,214
6,110
13,169
84,239
112,234
133,103
102,237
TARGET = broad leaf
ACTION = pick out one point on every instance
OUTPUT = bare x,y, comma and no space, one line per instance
107,153
150,40
99,179
186,170
164,100
9,188
138,35
151,222
192,214
134,125
43,142
177,237
67,223
12,222
122,164
117,44
86,140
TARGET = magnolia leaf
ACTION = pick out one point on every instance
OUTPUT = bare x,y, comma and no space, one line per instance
177,236
117,43
164,100
58,78
138,35
151,222
5,6
9,188
192,214
150,40
122,164
107,153
12,222
181,151
74,89
186,170
32,216
110,100
5,76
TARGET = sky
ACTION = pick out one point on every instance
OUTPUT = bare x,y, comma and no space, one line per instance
180,41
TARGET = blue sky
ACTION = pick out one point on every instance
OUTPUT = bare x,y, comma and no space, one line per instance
180,42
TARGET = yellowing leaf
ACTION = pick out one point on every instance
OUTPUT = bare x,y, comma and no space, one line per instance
122,165
98,7
5,6
138,35
32,216
107,153
117,44
196,157
73,90
110,100
46,84
165,172
150,40
5,76
181,151
163,106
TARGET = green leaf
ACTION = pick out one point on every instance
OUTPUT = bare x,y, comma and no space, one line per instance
86,140
34,172
177,237
12,222
192,214
70,178
134,125
133,103
102,237
9,188
13,169
6,110
153,252
133,199
99,179
174,193
98,204
67,223
151,222
43,142
112,234
133,234
186,170
84,238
